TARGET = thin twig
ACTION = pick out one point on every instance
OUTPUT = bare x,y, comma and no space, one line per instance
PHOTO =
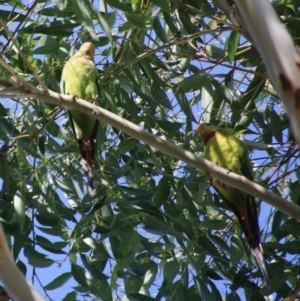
23,56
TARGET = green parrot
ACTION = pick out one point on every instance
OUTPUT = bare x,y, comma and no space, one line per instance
227,151
80,78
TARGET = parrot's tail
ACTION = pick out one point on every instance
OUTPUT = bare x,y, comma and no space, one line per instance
88,168
257,252
249,223
87,148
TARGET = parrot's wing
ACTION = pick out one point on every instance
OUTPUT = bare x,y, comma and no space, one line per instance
231,205
246,170
72,124
98,86
101,97
96,126
62,86
93,138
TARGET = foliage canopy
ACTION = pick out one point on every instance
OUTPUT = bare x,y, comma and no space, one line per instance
154,230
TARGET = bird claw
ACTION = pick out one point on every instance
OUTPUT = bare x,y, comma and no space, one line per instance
75,96
96,112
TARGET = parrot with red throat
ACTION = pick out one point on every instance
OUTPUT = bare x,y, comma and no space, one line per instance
80,78
227,151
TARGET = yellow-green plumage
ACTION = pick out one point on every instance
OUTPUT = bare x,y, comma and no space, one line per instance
227,151
80,78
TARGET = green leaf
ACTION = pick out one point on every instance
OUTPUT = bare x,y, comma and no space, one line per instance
157,247
42,145
274,123
58,281
103,290
126,102
139,297
19,208
150,275
4,172
146,207
214,224
55,28
232,45
55,247
9,15
164,5
236,250
48,219
183,103
291,247
84,17
171,269
127,145
170,22
169,126
163,230
178,291
192,83
203,291
37,259
232,296
3,111
80,245
159,94
129,243
118,4
55,231
70,297
136,20
79,275
215,291
159,30
135,192
162,192
126,260
93,266
215,52
20,237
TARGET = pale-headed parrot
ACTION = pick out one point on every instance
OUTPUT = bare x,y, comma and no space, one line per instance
80,78
227,151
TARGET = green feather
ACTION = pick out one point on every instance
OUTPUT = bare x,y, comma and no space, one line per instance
227,151
80,78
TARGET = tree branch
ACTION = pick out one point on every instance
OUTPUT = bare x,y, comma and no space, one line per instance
278,52
13,280
164,146
233,15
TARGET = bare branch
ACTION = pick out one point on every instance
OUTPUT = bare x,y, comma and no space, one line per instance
164,146
233,15
13,280
278,52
